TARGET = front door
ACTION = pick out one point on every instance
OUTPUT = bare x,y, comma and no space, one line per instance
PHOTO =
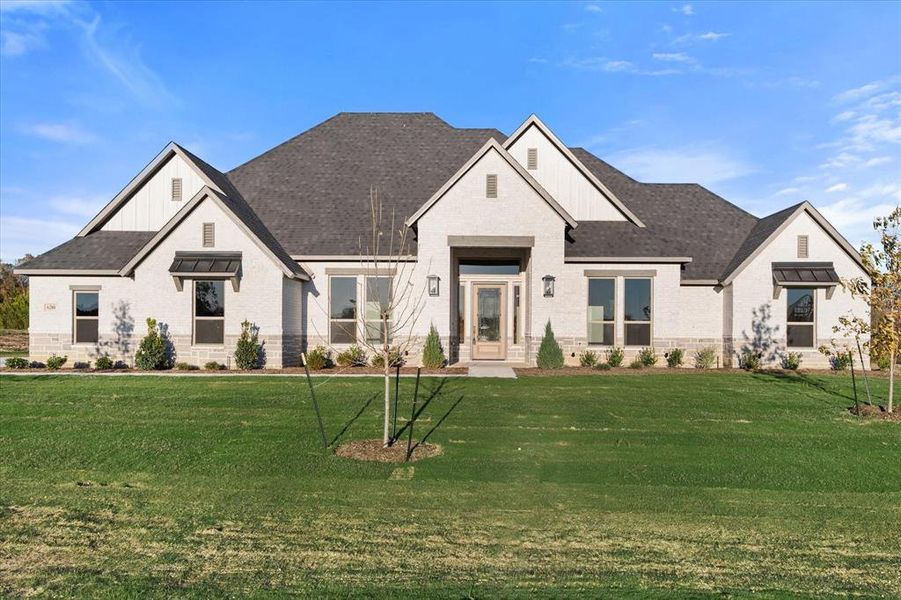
489,321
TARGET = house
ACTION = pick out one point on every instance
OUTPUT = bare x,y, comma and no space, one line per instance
509,232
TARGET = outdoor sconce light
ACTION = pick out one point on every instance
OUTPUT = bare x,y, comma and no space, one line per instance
548,286
433,285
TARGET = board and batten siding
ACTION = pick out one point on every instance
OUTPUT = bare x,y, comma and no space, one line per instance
151,205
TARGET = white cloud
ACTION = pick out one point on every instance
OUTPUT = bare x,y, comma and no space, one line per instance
787,191
66,133
879,160
79,206
13,43
866,90
21,235
713,36
705,164
685,9
853,217
32,6
679,57
838,187
595,8
843,116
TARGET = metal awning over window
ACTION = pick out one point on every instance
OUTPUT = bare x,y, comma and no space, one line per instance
805,275
206,265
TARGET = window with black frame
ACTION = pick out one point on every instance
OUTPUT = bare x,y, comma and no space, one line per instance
86,317
209,312
800,317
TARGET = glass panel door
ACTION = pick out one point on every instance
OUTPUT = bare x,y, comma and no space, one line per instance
489,330
489,300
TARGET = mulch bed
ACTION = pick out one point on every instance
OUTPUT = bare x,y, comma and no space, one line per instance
374,451
286,371
875,412
587,371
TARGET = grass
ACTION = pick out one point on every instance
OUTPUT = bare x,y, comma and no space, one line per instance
656,486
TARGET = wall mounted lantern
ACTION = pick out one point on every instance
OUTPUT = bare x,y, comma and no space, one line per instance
548,281
434,285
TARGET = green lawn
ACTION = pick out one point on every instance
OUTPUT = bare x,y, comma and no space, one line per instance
651,486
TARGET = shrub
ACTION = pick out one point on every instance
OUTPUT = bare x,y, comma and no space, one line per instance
395,358
103,363
750,360
589,358
674,358
705,358
636,364
550,355
153,351
213,366
317,358
119,364
882,362
792,361
81,365
183,366
615,356
17,362
247,352
648,357
603,366
433,354
354,356
841,361
55,362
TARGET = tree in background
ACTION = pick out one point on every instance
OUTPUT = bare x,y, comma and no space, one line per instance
13,298
883,292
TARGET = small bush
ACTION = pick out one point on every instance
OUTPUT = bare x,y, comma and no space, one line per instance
395,358
247,350
705,358
550,354
213,366
674,358
17,362
36,364
792,361
55,362
354,356
153,351
648,357
433,354
882,362
750,360
615,356
841,361
603,366
183,366
636,364
120,364
589,358
81,365
103,363
318,358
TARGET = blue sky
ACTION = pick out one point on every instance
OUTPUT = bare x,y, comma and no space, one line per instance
765,104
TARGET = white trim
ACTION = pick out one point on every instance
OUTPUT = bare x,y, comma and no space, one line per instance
171,149
533,120
76,318
78,272
195,318
627,259
492,144
820,220
350,257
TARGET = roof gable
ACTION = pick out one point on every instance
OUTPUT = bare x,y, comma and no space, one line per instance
492,146
582,207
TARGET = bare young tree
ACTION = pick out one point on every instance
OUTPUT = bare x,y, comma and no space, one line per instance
393,300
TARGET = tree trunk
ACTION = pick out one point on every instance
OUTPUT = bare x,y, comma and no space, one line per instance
386,438
891,379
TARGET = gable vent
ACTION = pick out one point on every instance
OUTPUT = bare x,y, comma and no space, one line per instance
803,247
209,235
532,160
176,188
491,186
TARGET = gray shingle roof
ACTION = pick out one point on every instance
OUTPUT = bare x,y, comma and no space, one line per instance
313,190
99,251
761,230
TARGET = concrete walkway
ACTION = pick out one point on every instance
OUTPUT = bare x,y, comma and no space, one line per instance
492,371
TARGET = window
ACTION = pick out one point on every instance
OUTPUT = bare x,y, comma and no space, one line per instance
491,186
601,311
489,267
638,312
343,310
532,160
799,320
517,325
461,313
209,235
87,317
378,305
209,312
803,246
176,189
